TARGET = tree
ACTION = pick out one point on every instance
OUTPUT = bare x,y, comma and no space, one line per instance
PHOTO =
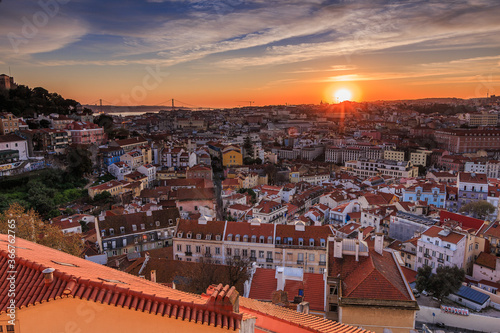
29,226
105,121
479,208
248,147
446,280
79,162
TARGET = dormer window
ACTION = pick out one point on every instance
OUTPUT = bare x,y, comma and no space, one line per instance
103,233
254,239
217,237
143,226
111,231
170,221
322,242
157,223
311,242
209,237
237,238
245,238
122,230
189,235
179,234
261,239
230,237
198,236
134,227
269,240
278,240
301,241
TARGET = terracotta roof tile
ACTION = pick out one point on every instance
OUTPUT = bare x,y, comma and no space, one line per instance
487,260
79,278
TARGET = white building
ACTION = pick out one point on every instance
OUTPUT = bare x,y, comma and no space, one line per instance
440,247
148,170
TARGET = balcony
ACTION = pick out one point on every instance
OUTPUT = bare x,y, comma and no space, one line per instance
253,259
188,253
208,255
269,259
236,257
441,260
322,263
427,255
300,262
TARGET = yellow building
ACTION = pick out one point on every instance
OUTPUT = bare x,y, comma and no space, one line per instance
231,155
394,155
114,187
420,157
8,123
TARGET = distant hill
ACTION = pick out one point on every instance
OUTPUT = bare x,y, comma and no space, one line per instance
24,101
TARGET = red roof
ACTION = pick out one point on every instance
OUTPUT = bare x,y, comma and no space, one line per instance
264,283
469,177
249,229
465,221
452,237
82,279
372,277
487,260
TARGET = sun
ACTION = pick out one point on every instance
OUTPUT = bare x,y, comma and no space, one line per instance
342,95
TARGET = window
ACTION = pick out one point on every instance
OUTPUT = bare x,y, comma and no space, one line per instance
189,235
311,269
261,254
269,255
254,239
134,227
198,236
217,237
111,231
244,253
230,237
301,242
170,222
217,250
198,249
252,253
322,242
228,251
261,239
311,242
332,307
311,256
143,226
208,237
157,223
179,247
124,241
278,240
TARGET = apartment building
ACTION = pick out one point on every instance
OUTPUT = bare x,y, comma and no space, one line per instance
439,247
430,192
471,187
394,155
268,245
8,123
405,226
270,212
136,232
468,140
370,168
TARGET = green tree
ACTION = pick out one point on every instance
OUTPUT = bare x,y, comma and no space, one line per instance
79,162
480,209
248,147
446,280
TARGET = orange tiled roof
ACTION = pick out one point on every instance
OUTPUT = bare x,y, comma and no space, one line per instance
452,237
83,279
373,277
308,322
487,260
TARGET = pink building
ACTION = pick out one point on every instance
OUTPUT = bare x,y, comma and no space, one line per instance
86,133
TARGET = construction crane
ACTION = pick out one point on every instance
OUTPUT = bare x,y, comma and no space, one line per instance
249,102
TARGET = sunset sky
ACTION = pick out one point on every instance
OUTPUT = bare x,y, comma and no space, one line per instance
226,52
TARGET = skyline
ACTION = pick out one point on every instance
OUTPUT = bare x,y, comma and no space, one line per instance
227,53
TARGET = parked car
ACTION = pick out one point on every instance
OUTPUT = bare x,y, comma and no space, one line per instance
425,293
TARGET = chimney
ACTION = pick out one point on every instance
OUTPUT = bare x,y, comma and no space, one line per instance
337,247
360,235
149,213
48,276
303,307
280,276
357,250
379,242
153,275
